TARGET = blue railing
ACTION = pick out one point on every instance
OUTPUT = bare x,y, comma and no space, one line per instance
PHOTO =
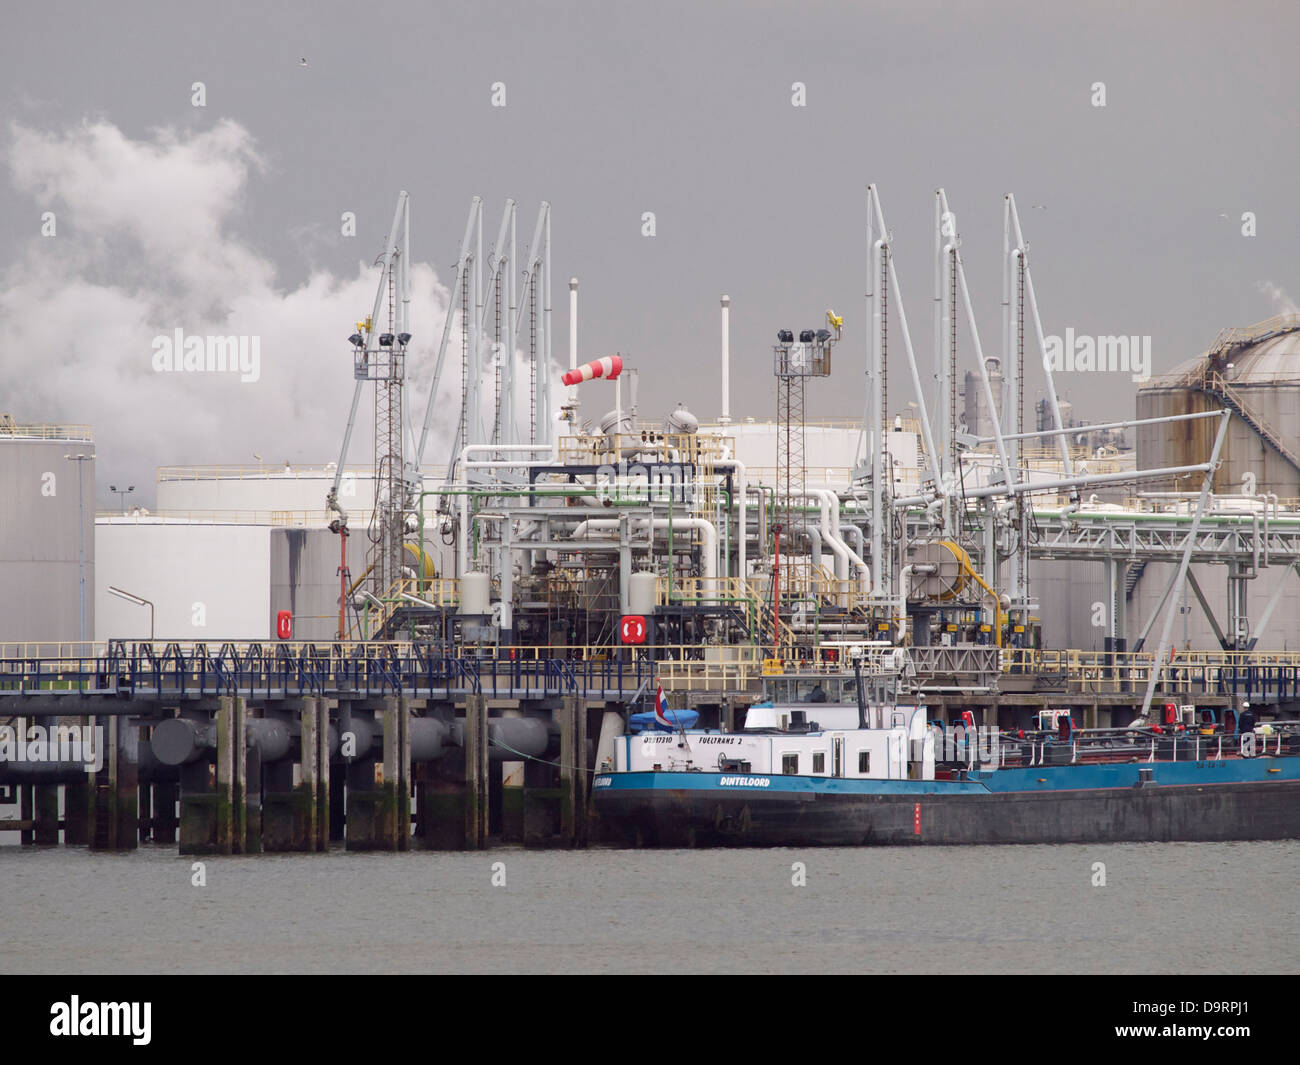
330,670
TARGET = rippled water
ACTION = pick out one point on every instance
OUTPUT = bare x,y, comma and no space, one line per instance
1188,908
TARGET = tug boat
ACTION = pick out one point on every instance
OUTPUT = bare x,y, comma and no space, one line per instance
849,759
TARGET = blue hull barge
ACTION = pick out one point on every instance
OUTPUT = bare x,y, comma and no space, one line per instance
838,774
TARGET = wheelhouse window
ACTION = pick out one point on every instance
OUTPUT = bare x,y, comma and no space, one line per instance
789,763
819,762
864,762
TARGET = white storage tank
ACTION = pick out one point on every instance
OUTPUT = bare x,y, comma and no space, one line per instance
475,594
642,593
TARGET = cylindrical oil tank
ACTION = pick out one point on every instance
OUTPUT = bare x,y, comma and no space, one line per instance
47,537
642,593
1258,377
475,593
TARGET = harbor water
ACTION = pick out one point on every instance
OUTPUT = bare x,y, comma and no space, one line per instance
1163,908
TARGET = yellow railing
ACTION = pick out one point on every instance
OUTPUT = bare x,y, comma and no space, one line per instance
745,595
282,470
1279,323
300,519
44,431
435,591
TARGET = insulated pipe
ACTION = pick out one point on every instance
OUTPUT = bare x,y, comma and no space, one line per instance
725,418
709,560
878,518
844,555
509,738
428,737
550,450
832,541
45,772
361,729
180,741
742,492
859,541
833,504
573,335
814,540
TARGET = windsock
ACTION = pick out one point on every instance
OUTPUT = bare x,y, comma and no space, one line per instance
609,367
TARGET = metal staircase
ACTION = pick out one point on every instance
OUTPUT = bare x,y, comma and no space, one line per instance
1213,384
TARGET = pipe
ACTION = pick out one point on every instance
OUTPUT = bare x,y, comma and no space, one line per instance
551,450
509,738
180,741
1029,487
832,541
709,560
832,501
544,376
574,401
461,264
814,541
874,281
742,491
725,417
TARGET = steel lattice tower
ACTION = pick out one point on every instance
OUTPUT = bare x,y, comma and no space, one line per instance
790,438
388,371
793,364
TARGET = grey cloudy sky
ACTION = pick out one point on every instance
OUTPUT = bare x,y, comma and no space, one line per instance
683,109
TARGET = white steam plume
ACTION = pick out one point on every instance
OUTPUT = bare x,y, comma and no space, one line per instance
1282,302
145,246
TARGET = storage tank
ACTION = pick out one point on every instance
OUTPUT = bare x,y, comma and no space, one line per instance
476,593
1255,372
47,534
642,593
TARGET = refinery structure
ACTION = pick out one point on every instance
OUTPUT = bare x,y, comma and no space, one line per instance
440,644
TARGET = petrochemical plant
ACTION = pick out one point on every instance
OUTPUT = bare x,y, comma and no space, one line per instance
437,646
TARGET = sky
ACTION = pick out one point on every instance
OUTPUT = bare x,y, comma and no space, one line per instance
226,219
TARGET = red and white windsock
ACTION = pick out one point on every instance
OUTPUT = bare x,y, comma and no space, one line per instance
609,367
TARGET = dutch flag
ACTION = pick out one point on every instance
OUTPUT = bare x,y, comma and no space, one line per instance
661,708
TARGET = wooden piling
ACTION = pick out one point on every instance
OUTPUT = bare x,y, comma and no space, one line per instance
164,812
26,799
46,809
291,815
476,772
76,813
115,803
321,838
573,771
